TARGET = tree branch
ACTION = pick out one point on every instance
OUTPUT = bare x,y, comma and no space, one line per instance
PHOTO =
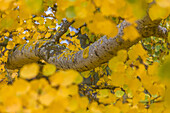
98,53
62,30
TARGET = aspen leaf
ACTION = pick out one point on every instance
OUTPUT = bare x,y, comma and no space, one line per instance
48,97
10,45
107,27
152,70
101,25
7,23
132,1
112,109
107,8
138,8
65,78
85,74
118,79
122,55
47,35
6,34
21,89
70,77
39,85
72,90
160,12
113,62
130,33
84,102
81,12
119,93
29,71
4,4
72,104
164,71
70,12
103,93
14,105
56,105
34,5
163,3
49,69
78,79
57,78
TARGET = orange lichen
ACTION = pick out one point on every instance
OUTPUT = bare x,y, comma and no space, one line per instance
86,52
101,41
41,43
20,47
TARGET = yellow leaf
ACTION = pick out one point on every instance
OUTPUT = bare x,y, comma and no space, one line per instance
112,109
84,102
78,79
116,66
130,33
65,78
34,6
47,35
163,3
42,27
48,69
47,97
101,25
39,85
6,34
57,78
107,8
157,12
10,45
103,93
29,71
56,106
122,55
118,79
4,4
21,86
85,74
13,104
135,51
73,104
72,33
108,28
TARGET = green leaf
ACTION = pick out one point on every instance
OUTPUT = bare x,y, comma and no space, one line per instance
70,12
34,5
119,93
164,71
132,1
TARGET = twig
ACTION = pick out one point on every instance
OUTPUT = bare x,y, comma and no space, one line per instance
3,44
79,31
62,30
10,81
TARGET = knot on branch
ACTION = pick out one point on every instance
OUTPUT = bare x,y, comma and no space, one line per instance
147,27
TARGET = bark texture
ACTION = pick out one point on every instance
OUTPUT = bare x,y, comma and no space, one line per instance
98,53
